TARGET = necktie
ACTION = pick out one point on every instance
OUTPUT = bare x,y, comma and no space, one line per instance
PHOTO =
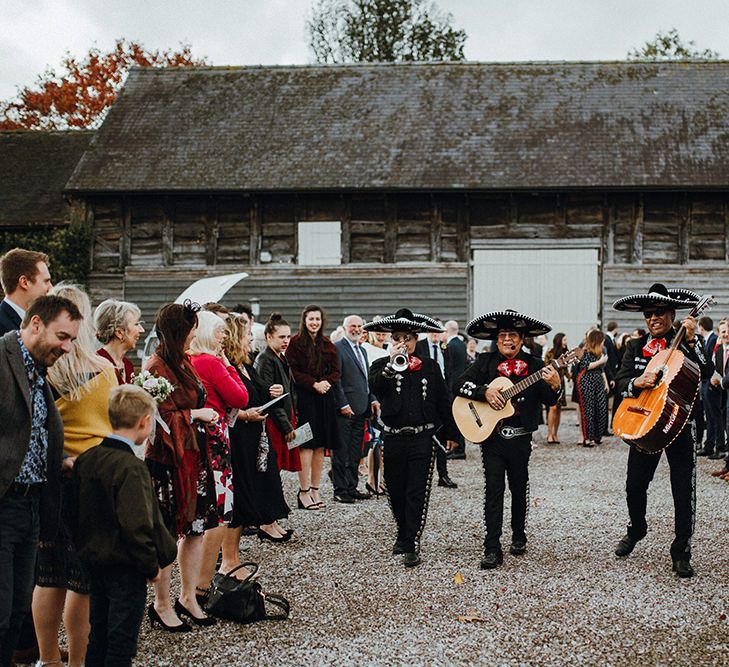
438,359
360,358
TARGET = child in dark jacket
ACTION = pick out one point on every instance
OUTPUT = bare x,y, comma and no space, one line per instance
119,534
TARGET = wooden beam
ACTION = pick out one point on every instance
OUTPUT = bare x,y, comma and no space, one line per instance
390,230
254,250
636,238
725,212
345,217
608,231
211,232
436,229
125,242
684,224
513,211
168,233
463,230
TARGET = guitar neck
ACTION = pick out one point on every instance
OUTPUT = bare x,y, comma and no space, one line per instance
524,384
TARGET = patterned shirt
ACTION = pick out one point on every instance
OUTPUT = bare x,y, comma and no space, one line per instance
35,463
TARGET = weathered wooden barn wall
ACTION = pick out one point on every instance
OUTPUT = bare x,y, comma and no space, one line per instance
398,248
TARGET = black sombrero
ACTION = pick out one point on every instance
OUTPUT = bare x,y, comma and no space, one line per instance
658,296
404,320
487,327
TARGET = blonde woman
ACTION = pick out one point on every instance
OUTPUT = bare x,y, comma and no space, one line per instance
83,381
118,327
226,394
592,389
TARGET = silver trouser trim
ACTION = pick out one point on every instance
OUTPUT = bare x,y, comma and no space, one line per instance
426,500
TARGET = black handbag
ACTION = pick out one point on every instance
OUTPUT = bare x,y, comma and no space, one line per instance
243,601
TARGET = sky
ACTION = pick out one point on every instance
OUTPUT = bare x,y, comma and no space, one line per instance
36,34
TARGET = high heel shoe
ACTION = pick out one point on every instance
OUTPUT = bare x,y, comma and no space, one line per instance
374,492
263,535
154,617
184,611
317,505
311,506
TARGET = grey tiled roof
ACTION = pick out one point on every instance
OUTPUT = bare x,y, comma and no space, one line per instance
34,167
430,126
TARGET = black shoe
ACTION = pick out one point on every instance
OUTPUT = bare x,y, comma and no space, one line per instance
411,559
704,452
358,495
625,547
716,456
518,547
400,548
183,611
343,498
263,535
492,560
683,569
456,456
154,617
447,482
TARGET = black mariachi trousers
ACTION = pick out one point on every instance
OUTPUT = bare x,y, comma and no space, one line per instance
682,463
505,457
408,461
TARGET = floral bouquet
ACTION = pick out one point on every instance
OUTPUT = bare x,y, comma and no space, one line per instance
158,388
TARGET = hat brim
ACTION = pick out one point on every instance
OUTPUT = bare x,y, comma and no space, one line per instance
488,326
418,324
636,303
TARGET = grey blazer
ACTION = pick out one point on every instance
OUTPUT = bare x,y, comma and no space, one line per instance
15,433
353,386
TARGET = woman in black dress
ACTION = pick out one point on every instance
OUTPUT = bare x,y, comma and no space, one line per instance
314,363
257,494
592,389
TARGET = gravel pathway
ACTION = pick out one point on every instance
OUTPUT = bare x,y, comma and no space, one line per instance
568,601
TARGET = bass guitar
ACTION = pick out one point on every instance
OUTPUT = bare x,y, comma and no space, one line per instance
476,420
653,420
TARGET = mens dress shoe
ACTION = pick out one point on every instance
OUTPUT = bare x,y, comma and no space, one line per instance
703,452
625,547
683,569
491,560
518,547
343,498
716,456
411,559
400,548
456,456
447,482
358,495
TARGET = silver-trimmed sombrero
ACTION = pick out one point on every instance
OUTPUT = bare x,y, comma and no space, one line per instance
404,320
658,295
487,327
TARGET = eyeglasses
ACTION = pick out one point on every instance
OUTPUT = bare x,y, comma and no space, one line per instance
402,337
503,335
658,312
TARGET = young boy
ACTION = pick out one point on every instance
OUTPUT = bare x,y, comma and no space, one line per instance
120,535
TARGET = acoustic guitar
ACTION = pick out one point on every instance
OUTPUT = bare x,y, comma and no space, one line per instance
653,420
476,420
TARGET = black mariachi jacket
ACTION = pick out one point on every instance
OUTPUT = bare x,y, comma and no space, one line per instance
635,362
473,384
413,398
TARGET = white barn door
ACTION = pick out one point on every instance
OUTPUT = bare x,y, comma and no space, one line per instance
558,285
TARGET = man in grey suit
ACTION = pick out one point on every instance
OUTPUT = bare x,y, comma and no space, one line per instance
31,451
355,404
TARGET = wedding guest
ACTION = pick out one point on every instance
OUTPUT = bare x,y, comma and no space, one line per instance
118,327
273,369
226,394
179,465
258,498
24,276
554,412
82,382
315,366
593,388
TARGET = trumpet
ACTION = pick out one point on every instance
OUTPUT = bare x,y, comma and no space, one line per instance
399,362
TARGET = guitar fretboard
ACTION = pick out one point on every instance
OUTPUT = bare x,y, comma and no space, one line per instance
527,382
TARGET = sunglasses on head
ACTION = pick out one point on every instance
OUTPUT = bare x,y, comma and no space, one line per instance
658,312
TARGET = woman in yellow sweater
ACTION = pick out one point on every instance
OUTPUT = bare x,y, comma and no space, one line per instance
82,381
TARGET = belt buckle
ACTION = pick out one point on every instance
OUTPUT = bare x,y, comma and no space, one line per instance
508,432
408,430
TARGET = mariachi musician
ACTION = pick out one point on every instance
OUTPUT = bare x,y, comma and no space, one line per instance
507,449
659,308
415,411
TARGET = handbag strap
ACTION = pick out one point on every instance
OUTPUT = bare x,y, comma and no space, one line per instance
277,601
253,567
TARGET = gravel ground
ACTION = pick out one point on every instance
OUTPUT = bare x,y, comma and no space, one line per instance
567,601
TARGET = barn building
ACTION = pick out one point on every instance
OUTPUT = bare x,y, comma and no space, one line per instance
454,188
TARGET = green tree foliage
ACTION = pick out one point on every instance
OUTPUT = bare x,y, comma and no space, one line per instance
669,46
68,249
345,31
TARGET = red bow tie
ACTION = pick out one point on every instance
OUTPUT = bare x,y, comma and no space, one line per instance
414,363
512,367
653,347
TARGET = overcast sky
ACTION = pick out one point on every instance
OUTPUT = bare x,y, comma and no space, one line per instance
35,34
